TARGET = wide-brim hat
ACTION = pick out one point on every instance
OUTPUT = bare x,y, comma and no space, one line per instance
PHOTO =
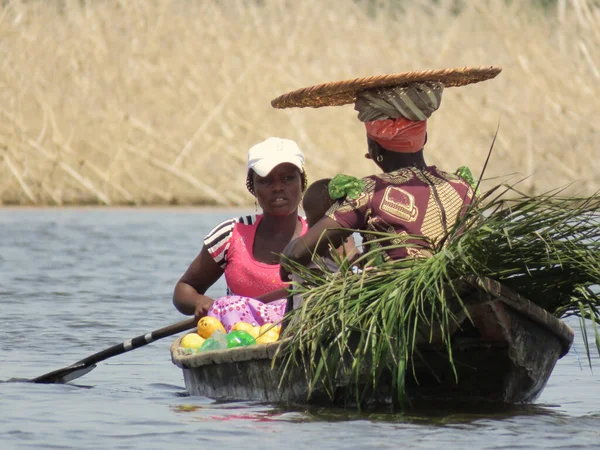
339,93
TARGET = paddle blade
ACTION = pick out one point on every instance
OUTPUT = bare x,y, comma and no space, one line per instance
65,374
82,367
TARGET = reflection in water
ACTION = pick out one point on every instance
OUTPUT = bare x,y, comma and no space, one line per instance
433,416
436,416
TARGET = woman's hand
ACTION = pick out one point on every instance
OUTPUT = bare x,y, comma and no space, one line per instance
203,305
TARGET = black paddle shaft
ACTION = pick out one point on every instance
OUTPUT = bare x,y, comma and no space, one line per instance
60,375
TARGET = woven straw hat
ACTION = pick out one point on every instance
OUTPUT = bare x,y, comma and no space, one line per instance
343,92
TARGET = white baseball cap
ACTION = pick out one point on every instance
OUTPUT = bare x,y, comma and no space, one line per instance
264,156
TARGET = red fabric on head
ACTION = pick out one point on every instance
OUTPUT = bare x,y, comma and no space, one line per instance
398,135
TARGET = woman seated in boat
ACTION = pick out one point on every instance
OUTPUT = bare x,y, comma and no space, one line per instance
409,197
246,249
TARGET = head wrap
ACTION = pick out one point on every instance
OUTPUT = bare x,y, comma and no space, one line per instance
396,118
398,135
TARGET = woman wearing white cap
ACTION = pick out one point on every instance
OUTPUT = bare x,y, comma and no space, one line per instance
246,249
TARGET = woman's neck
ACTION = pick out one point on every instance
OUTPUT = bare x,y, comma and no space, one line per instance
396,161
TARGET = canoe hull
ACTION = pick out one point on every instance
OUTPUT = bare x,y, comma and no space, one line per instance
503,352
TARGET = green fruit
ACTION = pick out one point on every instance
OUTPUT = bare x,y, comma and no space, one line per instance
239,338
209,345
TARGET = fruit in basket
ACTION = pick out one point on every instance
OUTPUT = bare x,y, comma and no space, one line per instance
270,328
268,333
247,327
192,340
239,338
208,325
217,341
267,338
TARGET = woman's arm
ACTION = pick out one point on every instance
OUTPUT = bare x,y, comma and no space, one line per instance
202,273
318,238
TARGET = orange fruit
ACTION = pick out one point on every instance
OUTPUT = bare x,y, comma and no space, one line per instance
208,325
192,340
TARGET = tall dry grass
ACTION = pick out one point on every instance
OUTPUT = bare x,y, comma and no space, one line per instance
157,101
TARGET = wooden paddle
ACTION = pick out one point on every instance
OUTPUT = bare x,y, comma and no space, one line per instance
86,365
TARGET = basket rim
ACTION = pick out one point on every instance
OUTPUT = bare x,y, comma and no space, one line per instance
343,92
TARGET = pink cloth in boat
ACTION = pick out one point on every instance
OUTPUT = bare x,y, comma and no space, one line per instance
230,244
232,309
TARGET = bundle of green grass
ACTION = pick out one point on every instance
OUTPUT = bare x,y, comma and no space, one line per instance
546,248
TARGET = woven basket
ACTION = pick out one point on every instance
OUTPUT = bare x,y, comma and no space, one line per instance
343,92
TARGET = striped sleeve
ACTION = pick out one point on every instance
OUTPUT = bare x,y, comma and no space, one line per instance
217,241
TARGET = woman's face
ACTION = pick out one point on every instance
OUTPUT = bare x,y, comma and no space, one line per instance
279,193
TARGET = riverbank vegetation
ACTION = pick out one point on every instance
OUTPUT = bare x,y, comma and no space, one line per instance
148,102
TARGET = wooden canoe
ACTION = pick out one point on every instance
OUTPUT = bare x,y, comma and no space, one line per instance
503,354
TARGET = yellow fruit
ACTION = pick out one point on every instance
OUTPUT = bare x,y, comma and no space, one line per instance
270,328
208,325
192,340
254,332
248,328
268,333
267,338
244,326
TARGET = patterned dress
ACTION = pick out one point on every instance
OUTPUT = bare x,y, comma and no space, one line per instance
230,245
410,201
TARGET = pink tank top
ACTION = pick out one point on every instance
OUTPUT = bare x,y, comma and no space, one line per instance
246,276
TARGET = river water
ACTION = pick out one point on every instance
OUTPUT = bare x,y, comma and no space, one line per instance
76,281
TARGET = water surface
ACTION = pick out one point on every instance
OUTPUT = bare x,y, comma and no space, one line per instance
76,281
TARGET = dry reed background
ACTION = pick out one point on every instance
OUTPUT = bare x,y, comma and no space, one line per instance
156,101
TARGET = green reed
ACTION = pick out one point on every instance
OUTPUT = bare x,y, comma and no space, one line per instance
353,327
